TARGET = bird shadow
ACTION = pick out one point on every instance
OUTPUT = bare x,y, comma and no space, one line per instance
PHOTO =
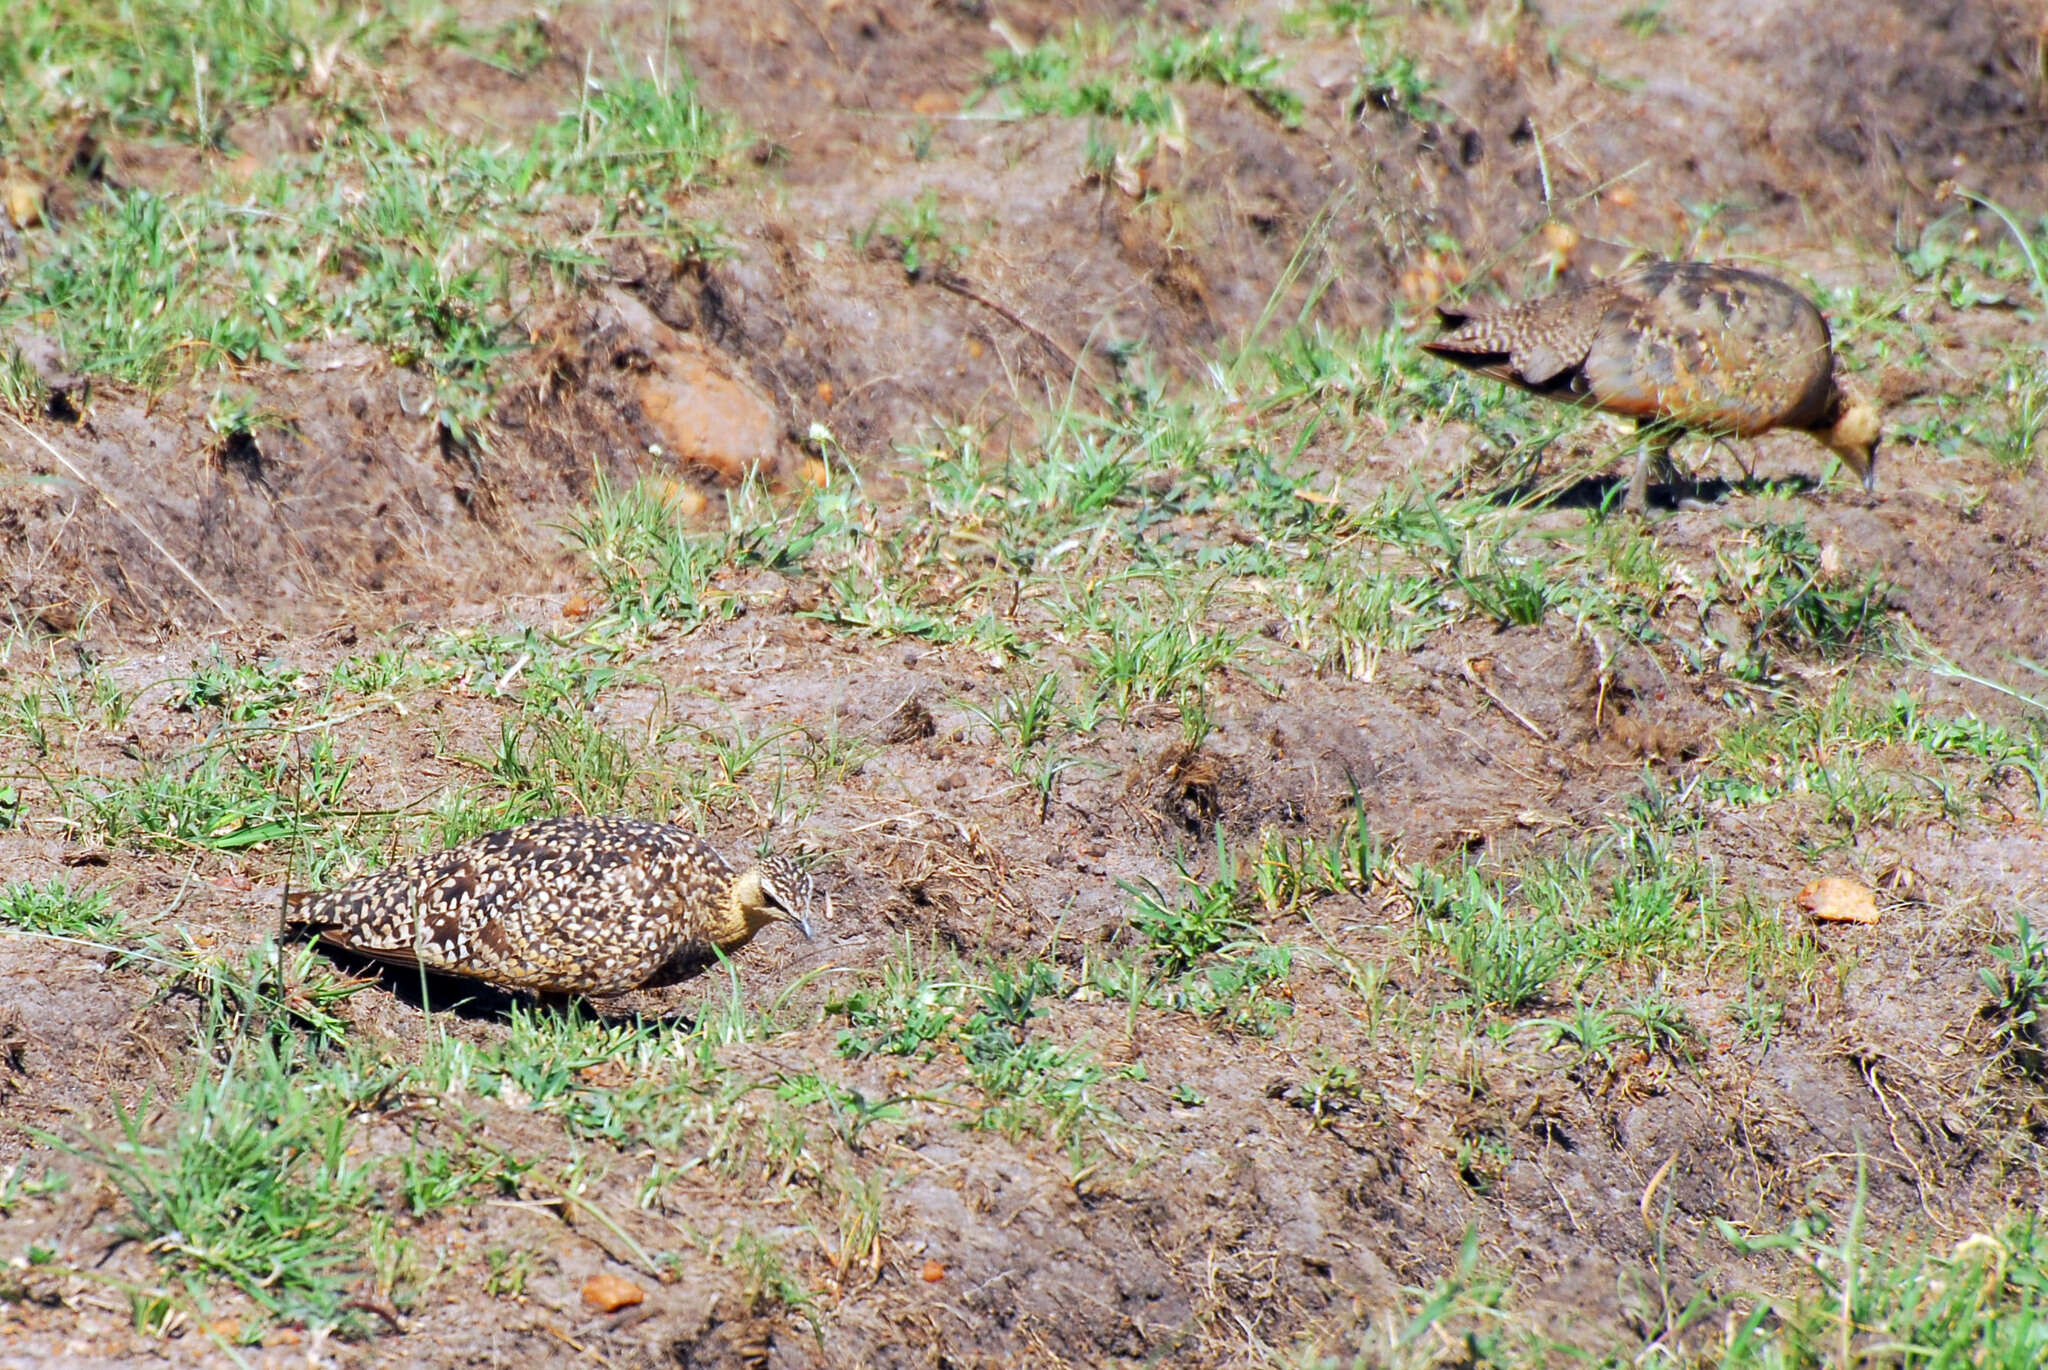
474,1001
1606,492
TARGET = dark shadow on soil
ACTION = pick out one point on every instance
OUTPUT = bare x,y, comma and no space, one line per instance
1605,492
476,1002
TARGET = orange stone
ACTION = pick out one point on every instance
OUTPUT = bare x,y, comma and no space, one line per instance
1832,899
608,1293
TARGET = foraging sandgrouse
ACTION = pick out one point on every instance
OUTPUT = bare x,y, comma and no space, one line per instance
565,905
1676,346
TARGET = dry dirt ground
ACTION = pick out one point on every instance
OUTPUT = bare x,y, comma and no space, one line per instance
1291,1134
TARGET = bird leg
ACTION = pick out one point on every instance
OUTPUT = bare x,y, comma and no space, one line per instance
1667,469
1655,439
1748,464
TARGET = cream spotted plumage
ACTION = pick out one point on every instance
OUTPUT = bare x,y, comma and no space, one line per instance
565,905
1674,345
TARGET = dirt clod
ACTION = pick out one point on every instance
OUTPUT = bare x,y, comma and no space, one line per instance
910,721
23,200
1831,899
605,1292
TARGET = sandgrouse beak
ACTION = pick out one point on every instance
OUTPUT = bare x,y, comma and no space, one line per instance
801,917
790,896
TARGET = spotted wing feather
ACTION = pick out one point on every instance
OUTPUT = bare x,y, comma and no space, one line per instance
566,905
1535,344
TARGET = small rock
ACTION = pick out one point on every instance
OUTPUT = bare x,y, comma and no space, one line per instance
608,1293
710,416
1560,246
686,500
1832,899
24,199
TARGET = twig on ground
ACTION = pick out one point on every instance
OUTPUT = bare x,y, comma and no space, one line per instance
947,281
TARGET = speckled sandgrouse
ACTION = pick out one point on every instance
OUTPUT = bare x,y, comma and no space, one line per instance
565,905
1676,346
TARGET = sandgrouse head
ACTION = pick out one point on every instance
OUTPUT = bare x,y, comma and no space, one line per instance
1854,433
774,889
